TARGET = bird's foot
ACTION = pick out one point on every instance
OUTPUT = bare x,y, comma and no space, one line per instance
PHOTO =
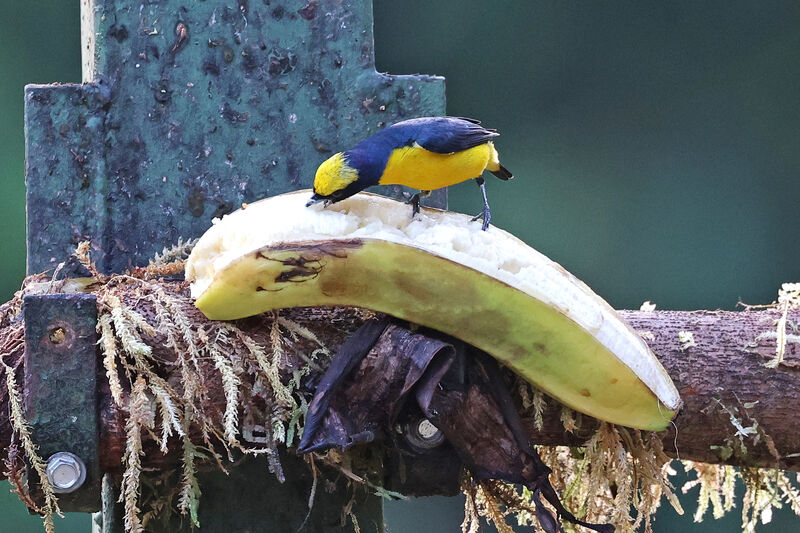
485,215
414,201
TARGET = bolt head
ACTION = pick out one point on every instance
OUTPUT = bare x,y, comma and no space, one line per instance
427,430
423,435
66,472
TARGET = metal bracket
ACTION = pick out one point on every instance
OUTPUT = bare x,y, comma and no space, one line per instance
61,392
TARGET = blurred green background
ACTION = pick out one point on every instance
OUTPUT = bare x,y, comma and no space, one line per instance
656,147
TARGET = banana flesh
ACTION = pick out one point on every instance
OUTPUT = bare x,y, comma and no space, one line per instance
488,289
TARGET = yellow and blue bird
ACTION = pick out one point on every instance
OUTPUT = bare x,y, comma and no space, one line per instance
422,153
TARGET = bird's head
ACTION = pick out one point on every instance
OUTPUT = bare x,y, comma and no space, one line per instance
335,180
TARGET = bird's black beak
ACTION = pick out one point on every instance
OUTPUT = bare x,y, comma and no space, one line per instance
316,198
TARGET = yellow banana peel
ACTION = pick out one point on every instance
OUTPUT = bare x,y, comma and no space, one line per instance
488,289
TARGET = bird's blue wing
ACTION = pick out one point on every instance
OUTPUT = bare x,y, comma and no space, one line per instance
442,135
446,135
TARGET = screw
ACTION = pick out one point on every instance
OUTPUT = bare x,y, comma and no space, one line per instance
66,472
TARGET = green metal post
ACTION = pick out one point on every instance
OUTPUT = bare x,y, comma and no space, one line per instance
190,108
193,107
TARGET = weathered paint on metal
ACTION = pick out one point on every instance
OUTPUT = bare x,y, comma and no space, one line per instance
195,108
190,109
60,385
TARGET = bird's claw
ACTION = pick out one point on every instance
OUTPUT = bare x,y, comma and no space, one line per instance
414,201
485,215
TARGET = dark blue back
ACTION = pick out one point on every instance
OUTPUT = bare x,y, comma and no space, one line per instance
443,135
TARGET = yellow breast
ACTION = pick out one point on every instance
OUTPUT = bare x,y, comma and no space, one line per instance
418,168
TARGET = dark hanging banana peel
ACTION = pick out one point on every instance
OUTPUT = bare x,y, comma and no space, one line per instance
488,289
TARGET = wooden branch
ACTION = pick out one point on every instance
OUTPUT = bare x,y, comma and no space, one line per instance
717,361
718,365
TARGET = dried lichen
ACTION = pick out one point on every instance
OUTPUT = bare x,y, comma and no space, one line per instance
619,476
135,317
23,433
748,432
788,298
647,306
12,344
716,484
496,501
765,489
618,471
686,338
140,416
532,400
785,331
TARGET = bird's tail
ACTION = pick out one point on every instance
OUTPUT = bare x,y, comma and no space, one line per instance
502,172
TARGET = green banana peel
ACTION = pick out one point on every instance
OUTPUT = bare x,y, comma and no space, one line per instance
488,289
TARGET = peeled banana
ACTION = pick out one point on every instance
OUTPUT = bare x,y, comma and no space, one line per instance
488,289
